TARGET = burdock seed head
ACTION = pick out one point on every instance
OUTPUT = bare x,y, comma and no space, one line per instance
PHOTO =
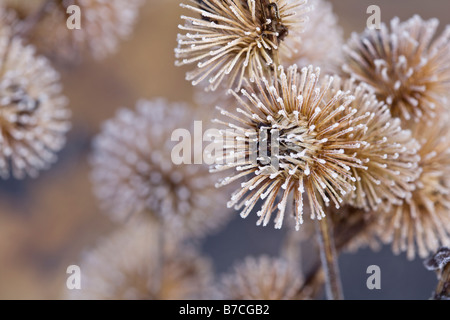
422,223
301,132
387,151
262,278
34,119
408,66
103,23
129,265
228,40
133,172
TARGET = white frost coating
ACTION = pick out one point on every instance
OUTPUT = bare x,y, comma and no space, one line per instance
125,189
34,119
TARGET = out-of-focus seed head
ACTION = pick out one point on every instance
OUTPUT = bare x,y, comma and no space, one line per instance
133,173
321,42
103,24
34,119
128,265
263,278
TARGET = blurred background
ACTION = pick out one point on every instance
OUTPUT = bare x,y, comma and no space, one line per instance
46,223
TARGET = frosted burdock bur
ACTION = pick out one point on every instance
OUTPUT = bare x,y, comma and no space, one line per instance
133,174
422,223
34,119
228,41
315,153
127,265
407,65
104,23
262,278
320,44
388,152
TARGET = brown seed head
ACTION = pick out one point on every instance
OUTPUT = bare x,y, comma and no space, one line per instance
407,67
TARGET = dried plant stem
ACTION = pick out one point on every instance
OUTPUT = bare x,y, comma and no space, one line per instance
443,287
292,249
342,237
33,19
160,256
329,259
158,238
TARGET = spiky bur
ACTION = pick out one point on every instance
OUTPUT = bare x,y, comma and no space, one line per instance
229,40
422,222
262,278
103,25
303,143
407,67
321,42
320,45
126,266
388,152
132,171
34,119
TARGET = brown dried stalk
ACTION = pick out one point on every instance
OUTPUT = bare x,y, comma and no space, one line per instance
329,259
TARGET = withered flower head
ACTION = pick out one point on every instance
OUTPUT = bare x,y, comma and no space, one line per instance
133,173
388,152
422,223
128,265
301,133
322,40
233,39
407,66
33,113
103,25
263,278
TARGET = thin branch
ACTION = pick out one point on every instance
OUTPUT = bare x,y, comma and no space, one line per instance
355,224
328,256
